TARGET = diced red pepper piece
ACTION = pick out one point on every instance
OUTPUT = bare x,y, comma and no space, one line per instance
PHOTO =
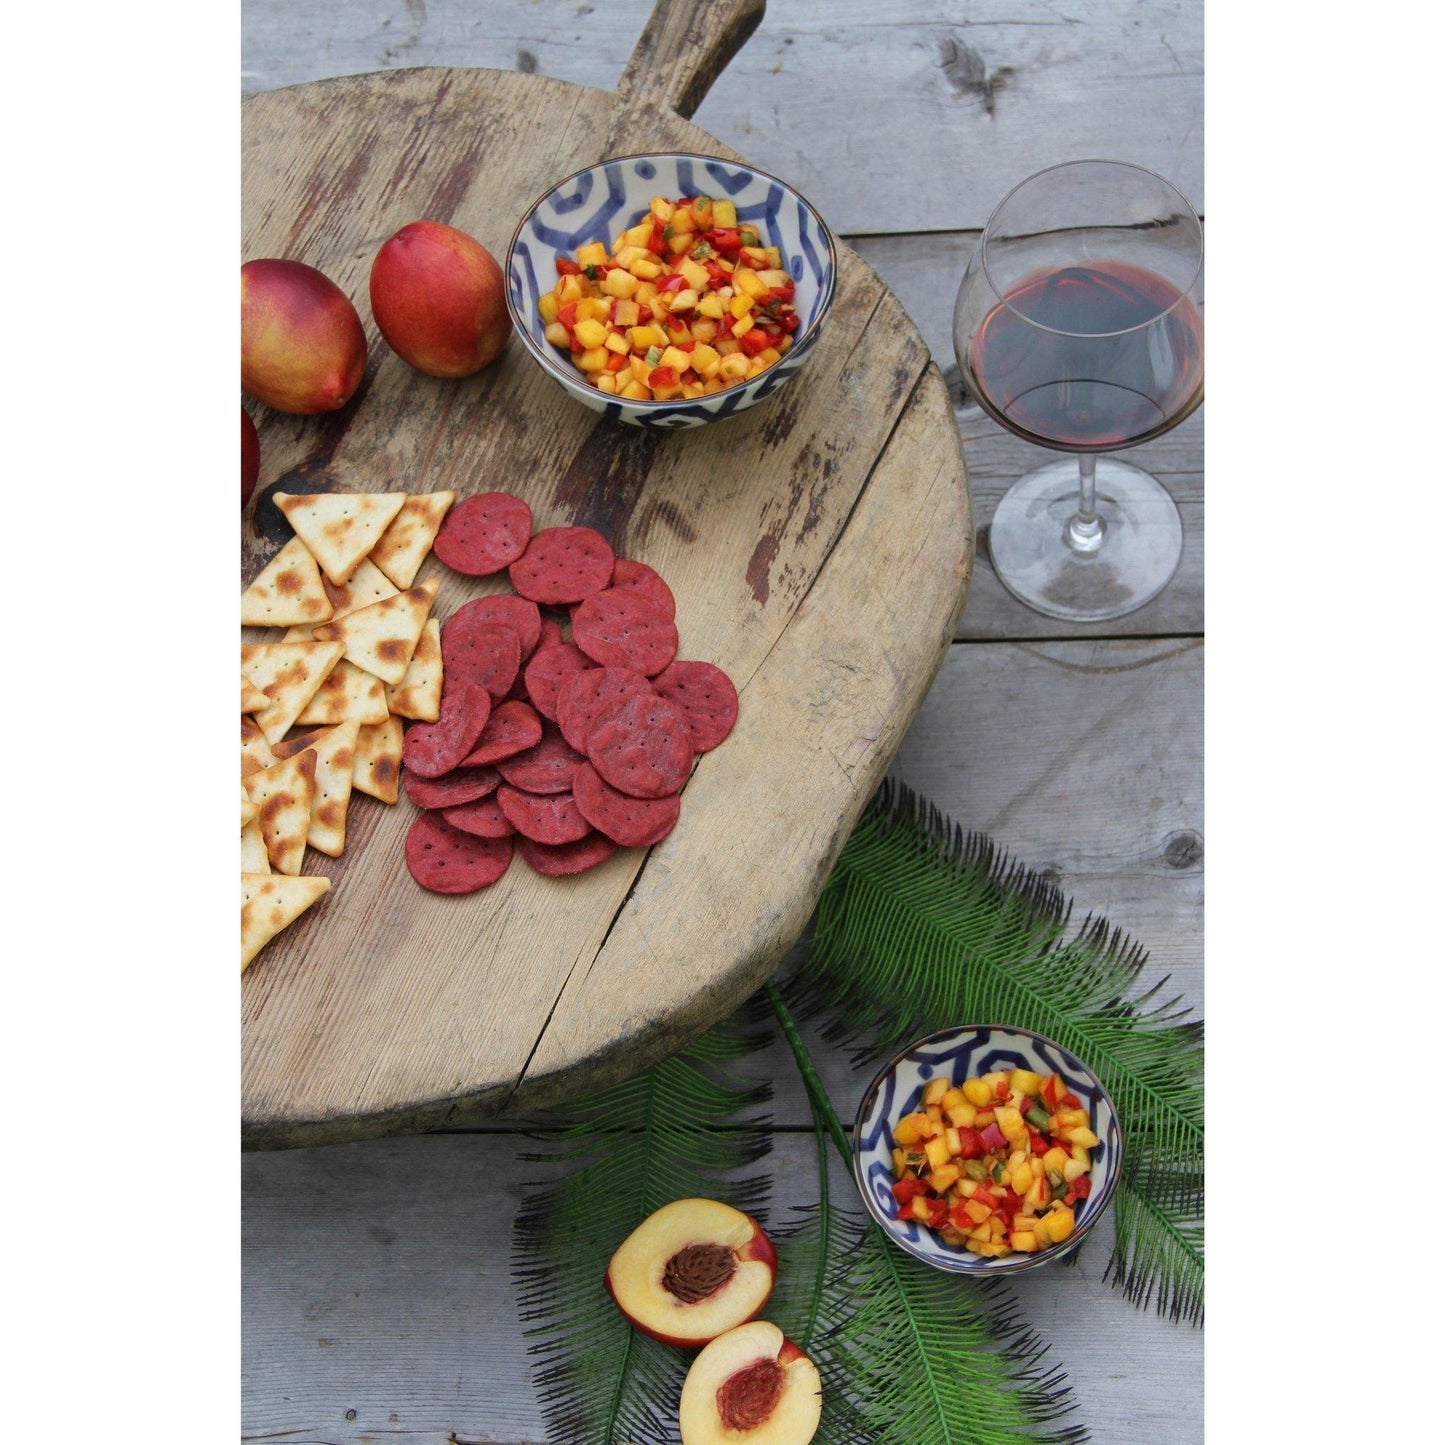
970,1144
1001,1090
655,243
960,1218
1038,1143
937,1213
907,1187
662,376
726,240
789,322
717,275
684,346
674,322
567,268
567,315
675,282
755,341
1070,1101
1050,1094
616,361
689,376
644,315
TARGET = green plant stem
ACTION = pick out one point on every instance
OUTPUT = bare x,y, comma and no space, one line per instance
817,1094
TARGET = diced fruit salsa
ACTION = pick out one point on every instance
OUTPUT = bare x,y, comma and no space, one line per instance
997,1164
688,303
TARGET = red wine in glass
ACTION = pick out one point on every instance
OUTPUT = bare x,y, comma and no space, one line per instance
1069,359
1079,325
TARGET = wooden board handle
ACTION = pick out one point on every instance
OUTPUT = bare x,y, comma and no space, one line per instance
684,48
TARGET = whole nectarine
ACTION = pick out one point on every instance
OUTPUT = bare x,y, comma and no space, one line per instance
250,456
691,1270
302,347
439,299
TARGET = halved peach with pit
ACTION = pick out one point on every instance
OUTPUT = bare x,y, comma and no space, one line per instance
751,1386
692,1270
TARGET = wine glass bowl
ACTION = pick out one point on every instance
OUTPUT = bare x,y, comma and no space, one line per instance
1079,327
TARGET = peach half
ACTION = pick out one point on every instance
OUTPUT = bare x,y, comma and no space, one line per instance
692,1270
751,1386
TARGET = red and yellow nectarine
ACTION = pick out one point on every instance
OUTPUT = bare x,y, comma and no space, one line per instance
439,299
303,349
250,456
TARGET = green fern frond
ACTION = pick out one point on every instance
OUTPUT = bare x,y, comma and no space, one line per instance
626,1151
921,926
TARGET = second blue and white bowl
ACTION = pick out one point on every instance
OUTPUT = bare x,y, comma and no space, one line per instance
959,1054
598,203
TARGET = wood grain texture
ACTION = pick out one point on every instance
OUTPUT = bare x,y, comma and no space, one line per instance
377,1311
889,115
390,1008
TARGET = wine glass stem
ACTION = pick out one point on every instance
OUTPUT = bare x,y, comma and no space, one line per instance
1086,531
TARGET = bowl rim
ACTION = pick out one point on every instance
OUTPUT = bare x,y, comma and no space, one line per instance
802,342
978,1265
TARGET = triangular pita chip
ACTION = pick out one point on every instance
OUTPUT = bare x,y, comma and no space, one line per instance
287,591
402,548
251,696
419,694
367,584
381,638
340,528
248,809
289,673
253,850
269,903
284,793
335,757
378,760
255,750
347,693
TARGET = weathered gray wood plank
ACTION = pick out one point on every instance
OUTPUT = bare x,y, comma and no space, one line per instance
378,1302
890,115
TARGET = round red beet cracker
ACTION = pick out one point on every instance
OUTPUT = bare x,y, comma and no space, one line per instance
621,628
546,767
507,609
707,697
477,651
642,746
563,565
552,819
461,785
512,728
484,534
640,578
563,859
549,670
432,749
629,822
583,696
443,859
482,818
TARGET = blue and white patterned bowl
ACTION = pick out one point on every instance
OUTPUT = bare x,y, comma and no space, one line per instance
959,1054
598,203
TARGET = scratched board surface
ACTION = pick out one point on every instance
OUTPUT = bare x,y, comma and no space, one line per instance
819,546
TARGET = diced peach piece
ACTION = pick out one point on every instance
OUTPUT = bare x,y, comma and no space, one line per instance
934,1091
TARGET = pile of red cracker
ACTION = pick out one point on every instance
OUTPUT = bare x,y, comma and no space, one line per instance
571,748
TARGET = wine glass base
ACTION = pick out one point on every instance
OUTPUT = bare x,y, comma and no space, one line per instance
1142,542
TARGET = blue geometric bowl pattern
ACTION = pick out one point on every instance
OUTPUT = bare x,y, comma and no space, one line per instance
959,1054
598,203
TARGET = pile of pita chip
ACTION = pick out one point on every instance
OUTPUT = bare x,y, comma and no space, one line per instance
322,705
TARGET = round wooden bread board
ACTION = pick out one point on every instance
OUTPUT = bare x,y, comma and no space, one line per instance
819,546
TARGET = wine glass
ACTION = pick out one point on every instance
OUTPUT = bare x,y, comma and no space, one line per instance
1079,326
